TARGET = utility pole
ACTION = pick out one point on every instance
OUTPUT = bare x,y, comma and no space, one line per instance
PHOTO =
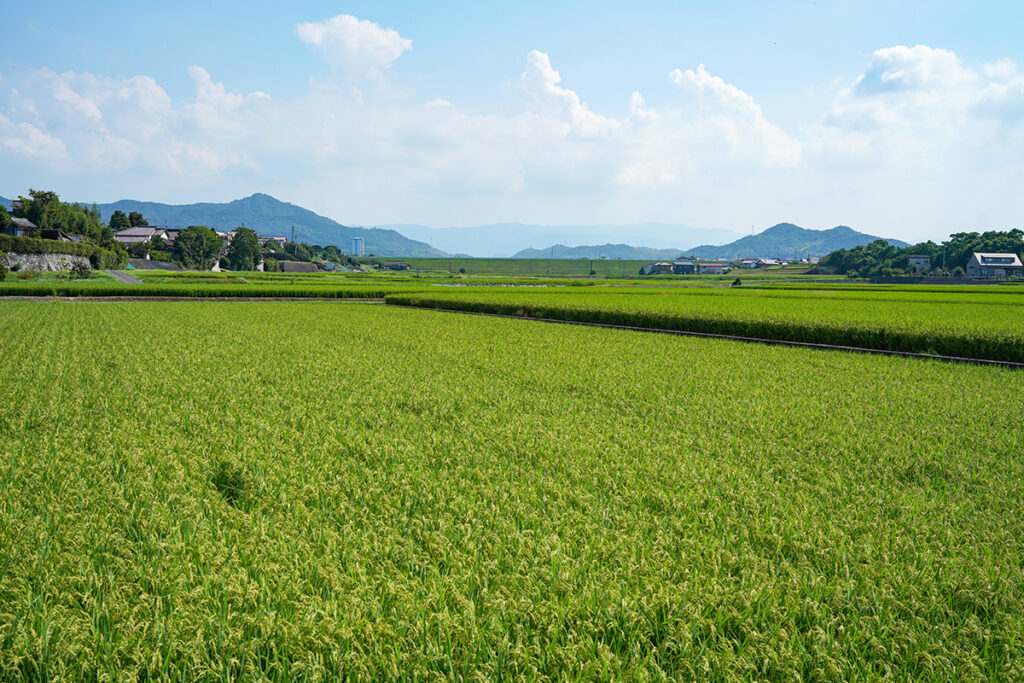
293,234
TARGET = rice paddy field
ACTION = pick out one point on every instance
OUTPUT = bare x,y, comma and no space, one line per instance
982,323
200,490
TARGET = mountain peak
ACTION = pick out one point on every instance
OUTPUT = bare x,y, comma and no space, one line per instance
786,240
270,216
258,198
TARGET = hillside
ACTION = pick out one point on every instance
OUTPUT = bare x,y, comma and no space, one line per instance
506,239
269,216
608,251
786,240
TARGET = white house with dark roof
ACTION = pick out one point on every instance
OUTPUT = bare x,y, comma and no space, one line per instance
984,266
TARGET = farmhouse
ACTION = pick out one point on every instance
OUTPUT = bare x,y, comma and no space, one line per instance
659,268
711,268
21,227
984,266
683,267
142,233
749,263
919,262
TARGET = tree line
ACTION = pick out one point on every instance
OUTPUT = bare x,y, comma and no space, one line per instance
948,258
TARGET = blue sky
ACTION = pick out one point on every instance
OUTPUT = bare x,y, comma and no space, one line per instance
904,119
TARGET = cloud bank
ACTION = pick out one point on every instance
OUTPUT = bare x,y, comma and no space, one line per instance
919,144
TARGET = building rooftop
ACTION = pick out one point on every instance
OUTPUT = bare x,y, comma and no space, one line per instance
991,259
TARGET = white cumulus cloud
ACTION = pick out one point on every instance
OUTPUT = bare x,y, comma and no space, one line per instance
354,44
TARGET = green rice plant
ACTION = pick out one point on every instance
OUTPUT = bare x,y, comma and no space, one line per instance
233,481
968,324
433,496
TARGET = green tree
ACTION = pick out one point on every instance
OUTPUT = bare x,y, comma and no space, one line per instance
244,250
34,206
135,218
300,251
138,249
5,220
196,247
119,221
332,253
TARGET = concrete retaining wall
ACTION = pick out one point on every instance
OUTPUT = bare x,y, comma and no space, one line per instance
42,261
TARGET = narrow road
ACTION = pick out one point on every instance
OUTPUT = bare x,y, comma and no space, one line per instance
124,277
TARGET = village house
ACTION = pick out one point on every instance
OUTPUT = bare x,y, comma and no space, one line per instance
22,227
659,268
711,268
280,241
984,266
683,267
139,234
919,262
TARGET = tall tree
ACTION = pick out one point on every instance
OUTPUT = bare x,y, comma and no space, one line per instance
244,251
196,247
135,218
5,219
119,221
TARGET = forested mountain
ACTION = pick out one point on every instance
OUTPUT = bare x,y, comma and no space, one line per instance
786,240
269,216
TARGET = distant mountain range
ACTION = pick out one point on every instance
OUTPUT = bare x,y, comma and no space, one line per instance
606,251
269,216
786,240
507,239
